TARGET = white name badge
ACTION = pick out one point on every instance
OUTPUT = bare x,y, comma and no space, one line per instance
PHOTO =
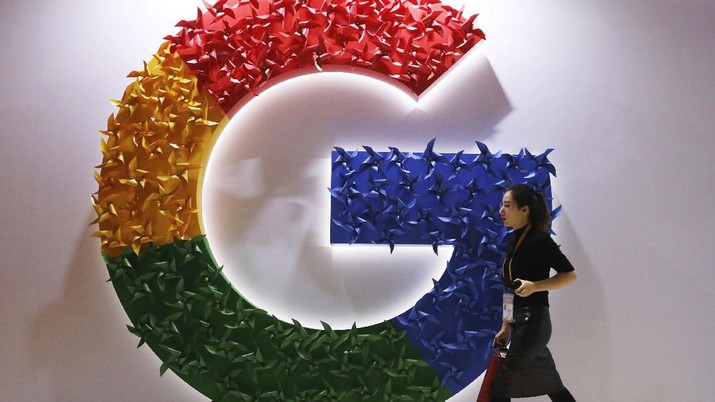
508,307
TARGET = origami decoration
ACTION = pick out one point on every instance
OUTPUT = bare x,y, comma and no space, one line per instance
451,326
154,155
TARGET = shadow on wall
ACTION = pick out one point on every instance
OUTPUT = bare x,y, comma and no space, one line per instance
81,344
466,104
581,343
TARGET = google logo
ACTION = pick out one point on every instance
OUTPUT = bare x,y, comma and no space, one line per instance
149,199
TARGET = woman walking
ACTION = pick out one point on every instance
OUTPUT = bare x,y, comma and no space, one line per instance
528,368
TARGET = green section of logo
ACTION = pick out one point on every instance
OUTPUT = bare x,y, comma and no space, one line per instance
183,307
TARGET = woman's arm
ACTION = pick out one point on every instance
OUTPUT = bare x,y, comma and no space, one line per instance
502,337
558,281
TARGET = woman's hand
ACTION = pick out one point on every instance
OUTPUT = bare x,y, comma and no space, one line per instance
527,288
502,337
558,281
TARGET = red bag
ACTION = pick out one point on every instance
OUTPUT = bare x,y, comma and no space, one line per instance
492,368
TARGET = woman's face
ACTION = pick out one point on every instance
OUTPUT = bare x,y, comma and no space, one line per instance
513,216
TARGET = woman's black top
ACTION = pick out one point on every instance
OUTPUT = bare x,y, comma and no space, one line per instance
533,260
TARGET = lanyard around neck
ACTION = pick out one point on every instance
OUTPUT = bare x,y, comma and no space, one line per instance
516,246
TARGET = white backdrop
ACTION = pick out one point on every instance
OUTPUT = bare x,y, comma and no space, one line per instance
622,90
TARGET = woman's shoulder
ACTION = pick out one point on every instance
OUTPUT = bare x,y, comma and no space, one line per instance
540,235
540,238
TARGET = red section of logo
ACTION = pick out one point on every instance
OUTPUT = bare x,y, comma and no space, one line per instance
236,47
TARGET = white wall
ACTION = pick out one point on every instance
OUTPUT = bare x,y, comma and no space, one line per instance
622,90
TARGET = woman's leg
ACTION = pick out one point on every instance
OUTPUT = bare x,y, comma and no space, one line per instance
562,396
528,368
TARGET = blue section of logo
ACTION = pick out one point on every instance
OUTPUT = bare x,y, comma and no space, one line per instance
439,199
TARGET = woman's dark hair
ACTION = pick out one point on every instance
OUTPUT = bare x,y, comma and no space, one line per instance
539,215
